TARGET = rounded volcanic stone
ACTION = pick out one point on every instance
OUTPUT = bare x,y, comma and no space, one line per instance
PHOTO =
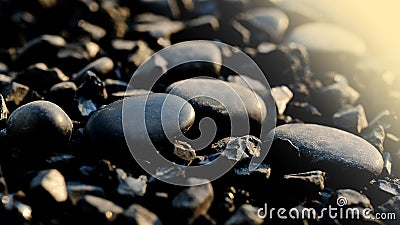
39,122
265,24
331,48
163,114
348,159
235,109
182,61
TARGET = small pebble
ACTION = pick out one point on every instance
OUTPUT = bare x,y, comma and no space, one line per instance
49,186
340,47
102,133
98,210
352,119
282,95
38,123
264,24
137,214
193,202
102,67
246,214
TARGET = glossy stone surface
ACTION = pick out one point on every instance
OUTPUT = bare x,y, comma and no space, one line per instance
223,102
105,128
183,61
330,47
346,158
193,202
39,122
264,24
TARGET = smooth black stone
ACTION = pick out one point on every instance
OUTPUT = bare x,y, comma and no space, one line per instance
205,62
75,56
193,202
202,28
76,191
63,94
221,100
102,67
341,48
104,127
137,214
98,210
41,49
352,119
40,78
49,187
39,123
263,24
349,160
246,214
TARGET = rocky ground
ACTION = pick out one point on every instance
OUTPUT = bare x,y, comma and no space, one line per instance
65,67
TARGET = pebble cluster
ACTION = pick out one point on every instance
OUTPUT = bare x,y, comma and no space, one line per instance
65,67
